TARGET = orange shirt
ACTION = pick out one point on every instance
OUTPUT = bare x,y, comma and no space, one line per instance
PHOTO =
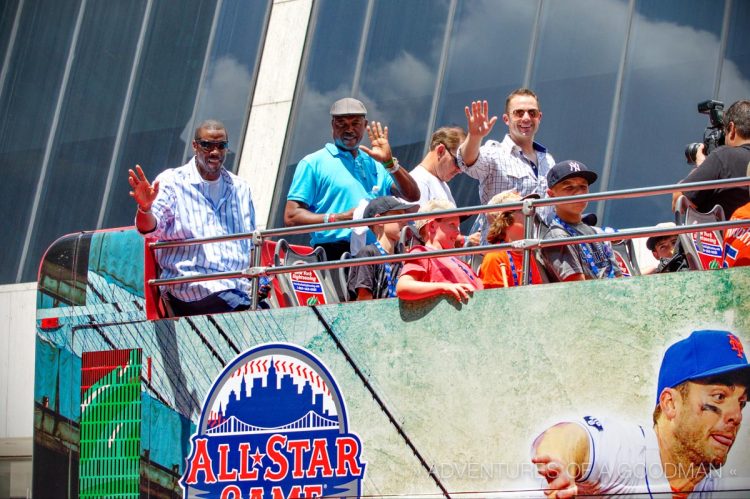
737,241
496,269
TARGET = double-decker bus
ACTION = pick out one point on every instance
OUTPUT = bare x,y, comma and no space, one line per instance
384,398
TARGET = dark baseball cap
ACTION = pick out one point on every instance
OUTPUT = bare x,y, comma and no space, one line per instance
703,354
569,169
347,107
384,204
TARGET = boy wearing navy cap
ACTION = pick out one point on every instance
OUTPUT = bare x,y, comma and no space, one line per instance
702,390
575,262
367,282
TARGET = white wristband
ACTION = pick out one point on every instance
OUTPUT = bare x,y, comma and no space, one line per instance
393,169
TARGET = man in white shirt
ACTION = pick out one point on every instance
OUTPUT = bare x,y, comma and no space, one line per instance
197,200
440,165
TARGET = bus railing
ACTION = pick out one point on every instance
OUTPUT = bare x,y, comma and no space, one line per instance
532,243
527,244
466,211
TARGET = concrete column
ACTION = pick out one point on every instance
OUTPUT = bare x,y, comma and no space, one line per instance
272,101
17,337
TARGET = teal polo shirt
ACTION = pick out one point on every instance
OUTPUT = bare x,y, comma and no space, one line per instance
330,180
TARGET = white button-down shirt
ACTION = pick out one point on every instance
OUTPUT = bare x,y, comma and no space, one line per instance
184,210
502,166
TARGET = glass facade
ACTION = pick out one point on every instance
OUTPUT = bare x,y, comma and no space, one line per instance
89,88
15,477
673,52
618,81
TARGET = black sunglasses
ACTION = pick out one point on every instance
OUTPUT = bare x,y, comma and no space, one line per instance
453,156
208,145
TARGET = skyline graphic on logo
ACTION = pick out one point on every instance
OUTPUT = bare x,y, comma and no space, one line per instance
295,389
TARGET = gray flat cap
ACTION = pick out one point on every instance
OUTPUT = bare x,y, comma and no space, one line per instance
348,106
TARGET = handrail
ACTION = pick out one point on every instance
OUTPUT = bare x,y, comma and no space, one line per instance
528,207
470,210
472,250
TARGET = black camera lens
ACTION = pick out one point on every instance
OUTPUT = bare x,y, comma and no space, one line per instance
691,152
713,135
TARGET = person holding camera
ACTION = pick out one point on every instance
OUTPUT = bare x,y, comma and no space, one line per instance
727,162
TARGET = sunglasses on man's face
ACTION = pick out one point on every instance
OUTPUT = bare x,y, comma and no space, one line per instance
519,113
208,145
453,156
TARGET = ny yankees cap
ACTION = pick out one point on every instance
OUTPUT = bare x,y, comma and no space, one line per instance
701,355
569,169
348,106
384,204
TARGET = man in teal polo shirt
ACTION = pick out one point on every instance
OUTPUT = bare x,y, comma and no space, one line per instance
330,183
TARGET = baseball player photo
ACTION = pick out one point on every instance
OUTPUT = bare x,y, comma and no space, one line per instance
702,391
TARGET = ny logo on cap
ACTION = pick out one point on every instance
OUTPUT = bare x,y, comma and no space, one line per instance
734,344
574,167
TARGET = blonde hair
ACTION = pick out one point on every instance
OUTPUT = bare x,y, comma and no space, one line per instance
497,231
505,197
450,136
430,206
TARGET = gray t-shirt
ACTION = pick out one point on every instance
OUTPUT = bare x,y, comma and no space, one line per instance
564,261
373,277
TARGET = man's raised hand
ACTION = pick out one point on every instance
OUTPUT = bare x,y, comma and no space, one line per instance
477,120
381,149
143,191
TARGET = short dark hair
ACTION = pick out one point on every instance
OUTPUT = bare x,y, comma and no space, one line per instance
450,136
683,389
520,91
651,243
210,125
739,114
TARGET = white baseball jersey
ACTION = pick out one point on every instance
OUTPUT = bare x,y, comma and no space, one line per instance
625,462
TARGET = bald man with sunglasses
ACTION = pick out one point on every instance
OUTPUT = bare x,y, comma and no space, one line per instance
197,200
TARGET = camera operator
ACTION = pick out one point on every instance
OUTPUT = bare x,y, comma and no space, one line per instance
727,162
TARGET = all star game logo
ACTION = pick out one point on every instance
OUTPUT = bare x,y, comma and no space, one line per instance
274,425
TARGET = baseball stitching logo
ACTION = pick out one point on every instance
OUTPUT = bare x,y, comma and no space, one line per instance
274,425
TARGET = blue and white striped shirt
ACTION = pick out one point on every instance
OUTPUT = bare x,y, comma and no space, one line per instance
184,210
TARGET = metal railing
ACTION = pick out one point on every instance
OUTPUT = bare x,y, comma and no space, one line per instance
529,243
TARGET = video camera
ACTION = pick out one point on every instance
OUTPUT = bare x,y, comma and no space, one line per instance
713,136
